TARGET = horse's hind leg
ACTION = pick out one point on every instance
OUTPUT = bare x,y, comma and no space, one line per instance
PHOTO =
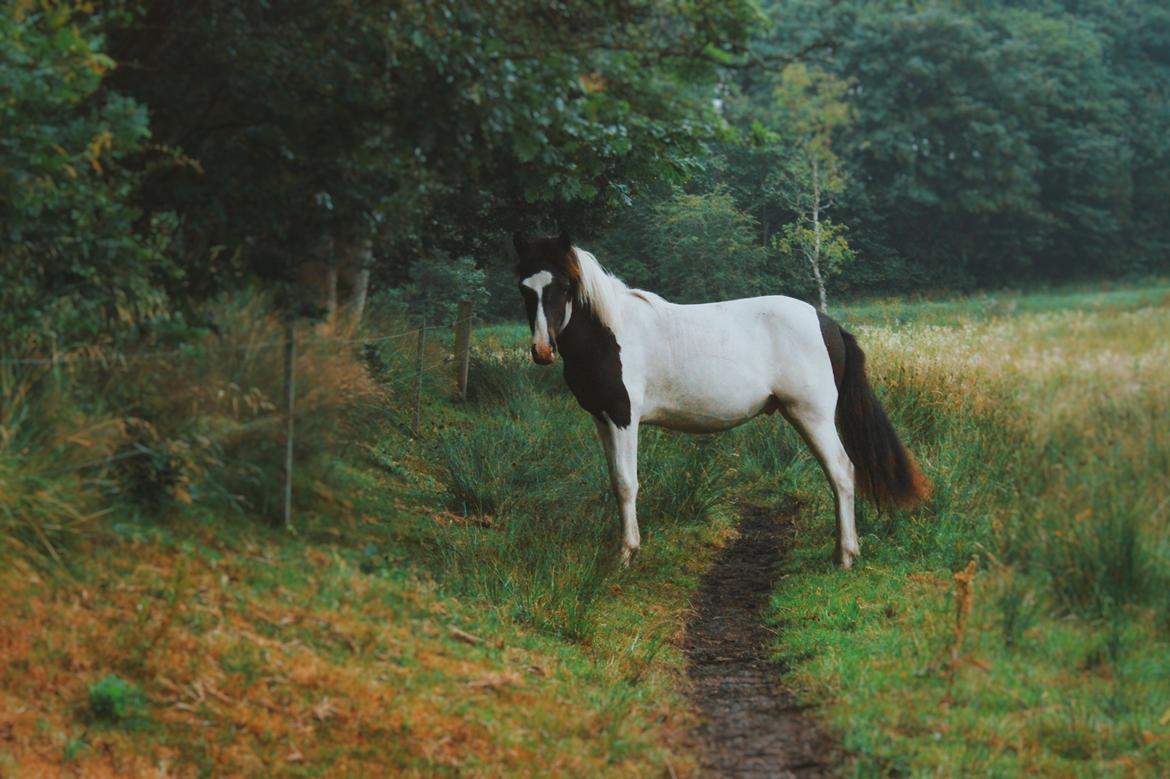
621,454
814,422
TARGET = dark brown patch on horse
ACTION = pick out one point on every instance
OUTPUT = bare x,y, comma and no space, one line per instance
556,256
593,366
771,405
835,344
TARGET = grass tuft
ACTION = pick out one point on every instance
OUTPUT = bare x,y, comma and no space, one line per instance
114,700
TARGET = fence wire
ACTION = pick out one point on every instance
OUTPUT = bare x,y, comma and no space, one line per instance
410,378
163,354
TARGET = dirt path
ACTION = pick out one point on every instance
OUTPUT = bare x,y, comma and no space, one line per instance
751,725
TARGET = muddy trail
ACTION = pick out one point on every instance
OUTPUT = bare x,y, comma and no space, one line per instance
751,726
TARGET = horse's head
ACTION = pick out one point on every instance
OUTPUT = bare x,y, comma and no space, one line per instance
549,273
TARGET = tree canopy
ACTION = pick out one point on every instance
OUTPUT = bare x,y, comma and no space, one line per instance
156,152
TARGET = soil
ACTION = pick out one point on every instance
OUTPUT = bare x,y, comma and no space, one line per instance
751,725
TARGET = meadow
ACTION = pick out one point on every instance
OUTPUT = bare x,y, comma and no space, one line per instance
451,603
1019,623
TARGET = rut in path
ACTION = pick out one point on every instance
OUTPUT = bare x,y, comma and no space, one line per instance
751,726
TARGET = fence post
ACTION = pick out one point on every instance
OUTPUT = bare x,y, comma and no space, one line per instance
56,360
290,360
418,376
463,346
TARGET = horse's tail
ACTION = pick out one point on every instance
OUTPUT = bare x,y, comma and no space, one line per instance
886,472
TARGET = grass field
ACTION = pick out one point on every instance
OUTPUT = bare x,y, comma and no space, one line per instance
1020,623
451,604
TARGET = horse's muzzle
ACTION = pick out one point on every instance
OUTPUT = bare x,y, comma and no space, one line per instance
545,356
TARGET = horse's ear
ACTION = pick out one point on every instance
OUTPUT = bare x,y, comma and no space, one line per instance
563,241
519,243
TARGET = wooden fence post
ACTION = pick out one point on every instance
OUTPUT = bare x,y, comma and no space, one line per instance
418,376
56,360
463,346
290,361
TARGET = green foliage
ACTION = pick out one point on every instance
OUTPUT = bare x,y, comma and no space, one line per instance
437,285
810,105
114,700
984,144
705,249
987,141
423,127
71,261
824,244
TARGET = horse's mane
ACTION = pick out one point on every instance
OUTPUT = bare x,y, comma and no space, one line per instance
599,289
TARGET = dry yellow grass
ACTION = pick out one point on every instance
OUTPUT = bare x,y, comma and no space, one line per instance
1057,365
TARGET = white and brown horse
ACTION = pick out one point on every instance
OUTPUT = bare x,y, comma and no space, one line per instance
632,358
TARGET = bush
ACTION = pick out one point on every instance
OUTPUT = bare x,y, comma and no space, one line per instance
116,701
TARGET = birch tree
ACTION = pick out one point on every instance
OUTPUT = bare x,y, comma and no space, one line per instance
811,105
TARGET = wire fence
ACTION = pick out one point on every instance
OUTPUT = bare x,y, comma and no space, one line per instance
167,354
290,343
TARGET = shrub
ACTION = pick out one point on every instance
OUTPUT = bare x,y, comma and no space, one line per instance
116,701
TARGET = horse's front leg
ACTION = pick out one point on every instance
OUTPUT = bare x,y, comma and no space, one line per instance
621,453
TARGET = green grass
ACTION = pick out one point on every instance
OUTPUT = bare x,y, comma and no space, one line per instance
1043,427
529,523
114,700
1100,298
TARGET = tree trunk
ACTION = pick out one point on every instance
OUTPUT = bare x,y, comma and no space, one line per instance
361,283
815,257
331,288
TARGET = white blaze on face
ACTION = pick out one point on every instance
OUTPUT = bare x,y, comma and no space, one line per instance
541,340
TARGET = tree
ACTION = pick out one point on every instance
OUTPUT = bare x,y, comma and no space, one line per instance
811,104
705,249
72,264
996,142
414,128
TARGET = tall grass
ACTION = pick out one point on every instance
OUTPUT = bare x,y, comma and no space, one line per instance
191,422
531,524
55,462
1047,437
1045,432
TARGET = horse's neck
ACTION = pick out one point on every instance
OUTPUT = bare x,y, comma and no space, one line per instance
593,366
586,338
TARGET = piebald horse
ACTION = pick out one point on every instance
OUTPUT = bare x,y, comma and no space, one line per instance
633,358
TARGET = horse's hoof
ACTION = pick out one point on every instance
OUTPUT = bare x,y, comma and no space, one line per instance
628,553
846,558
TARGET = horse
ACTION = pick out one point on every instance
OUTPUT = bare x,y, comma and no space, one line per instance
633,358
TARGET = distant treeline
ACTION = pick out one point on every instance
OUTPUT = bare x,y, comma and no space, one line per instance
986,144
156,152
